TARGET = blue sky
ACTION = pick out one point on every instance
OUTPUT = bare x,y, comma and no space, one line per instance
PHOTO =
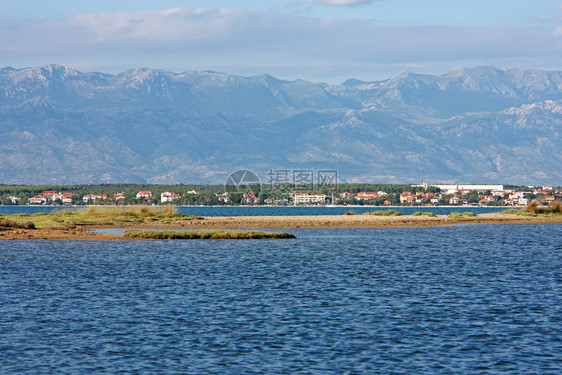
317,40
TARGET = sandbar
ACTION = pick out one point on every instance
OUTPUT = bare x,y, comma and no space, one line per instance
285,222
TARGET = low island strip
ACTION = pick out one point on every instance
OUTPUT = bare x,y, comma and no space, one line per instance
80,225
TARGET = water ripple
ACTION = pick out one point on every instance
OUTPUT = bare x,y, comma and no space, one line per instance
468,299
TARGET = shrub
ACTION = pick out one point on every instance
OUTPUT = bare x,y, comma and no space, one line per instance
6,223
533,207
555,207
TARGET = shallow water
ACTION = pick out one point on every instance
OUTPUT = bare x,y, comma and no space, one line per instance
458,299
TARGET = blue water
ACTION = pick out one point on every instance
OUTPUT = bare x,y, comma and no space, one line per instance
273,210
458,299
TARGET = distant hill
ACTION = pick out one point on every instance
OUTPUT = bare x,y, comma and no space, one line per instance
61,126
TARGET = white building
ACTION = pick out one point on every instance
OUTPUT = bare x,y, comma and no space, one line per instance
307,198
144,194
93,197
13,200
38,199
168,196
223,197
452,188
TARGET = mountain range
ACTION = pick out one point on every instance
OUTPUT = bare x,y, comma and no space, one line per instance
471,125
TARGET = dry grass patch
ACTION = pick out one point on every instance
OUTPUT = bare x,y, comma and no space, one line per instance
555,207
428,214
461,215
102,216
535,209
384,213
7,223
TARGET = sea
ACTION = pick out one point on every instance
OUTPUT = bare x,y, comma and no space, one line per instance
464,299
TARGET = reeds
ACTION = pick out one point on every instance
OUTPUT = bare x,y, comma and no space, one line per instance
555,207
534,207
7,223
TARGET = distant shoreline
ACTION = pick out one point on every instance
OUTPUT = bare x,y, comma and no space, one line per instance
269,206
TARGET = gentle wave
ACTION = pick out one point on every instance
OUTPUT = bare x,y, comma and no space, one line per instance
458,299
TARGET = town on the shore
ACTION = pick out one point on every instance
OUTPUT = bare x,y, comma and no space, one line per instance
346,194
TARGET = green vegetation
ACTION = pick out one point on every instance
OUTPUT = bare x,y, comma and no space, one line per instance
461,215
102,216
125,194
7,223
555,207
204,234
384,213
535,209
205,194
520,212
430,214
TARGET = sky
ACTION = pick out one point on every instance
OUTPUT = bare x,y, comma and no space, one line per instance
316,40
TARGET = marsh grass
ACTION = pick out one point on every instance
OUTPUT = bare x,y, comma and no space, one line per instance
533,208
7,223
204,234
384,213
429,214
555,207
102,216
461,215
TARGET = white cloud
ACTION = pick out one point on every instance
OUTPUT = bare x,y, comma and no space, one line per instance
245,42
166,25
338,3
